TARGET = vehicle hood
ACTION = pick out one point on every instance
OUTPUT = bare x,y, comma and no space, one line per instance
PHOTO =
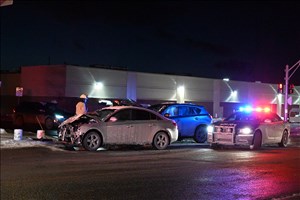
83,118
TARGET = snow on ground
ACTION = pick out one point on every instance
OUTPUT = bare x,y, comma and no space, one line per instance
8,141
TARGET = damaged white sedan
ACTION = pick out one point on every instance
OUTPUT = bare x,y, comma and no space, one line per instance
119,125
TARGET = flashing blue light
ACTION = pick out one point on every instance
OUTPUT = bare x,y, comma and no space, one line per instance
257,109
246,109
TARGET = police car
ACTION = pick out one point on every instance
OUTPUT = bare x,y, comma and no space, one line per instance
252,127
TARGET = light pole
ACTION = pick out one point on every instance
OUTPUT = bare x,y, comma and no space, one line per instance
287,77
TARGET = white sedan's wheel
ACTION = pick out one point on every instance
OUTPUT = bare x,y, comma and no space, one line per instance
284,139
161,141
92,141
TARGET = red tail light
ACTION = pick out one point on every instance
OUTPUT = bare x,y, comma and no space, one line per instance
174,123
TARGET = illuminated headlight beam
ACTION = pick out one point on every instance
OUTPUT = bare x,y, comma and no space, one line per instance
210,129
245,131
57,116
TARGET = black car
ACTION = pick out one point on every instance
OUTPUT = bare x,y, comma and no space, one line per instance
192,119
46,115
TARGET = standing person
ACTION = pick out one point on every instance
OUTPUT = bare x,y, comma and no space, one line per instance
81,105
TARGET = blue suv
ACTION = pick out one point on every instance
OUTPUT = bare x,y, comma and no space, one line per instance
191,119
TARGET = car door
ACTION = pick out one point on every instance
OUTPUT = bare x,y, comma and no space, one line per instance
273,128
188,120
119,128
277,127
144,126
266,129
172,112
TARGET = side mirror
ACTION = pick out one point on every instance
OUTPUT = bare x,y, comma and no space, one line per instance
267,121
113,119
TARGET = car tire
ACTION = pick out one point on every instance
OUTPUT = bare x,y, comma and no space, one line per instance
92,141
161,141
256,144
284,139
200,135
19,121
49,123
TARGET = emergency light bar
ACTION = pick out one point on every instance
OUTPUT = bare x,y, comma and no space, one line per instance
256,109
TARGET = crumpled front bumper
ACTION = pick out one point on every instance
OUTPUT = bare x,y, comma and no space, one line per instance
67,135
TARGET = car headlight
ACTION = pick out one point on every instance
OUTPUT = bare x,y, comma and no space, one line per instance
210,129
245,130
58,117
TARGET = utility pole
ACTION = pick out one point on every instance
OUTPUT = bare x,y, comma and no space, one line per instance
287,77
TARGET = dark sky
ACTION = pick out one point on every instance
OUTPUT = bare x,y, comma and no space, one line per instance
241,40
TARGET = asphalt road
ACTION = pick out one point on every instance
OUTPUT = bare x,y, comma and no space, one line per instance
183,171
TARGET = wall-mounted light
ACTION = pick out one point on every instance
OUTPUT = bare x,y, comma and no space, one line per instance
98,85
225,79
180,90
233,97
180,94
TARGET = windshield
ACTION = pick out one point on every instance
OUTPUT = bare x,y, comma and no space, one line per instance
103,113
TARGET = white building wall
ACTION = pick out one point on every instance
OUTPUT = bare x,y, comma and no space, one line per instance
82,80
197,89
156,87
247,92
131,85
164,87
296,96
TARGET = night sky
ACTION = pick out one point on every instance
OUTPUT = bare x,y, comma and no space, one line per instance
241,40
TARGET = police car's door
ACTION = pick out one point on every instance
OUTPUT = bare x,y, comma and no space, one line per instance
273,128
277,127
266,129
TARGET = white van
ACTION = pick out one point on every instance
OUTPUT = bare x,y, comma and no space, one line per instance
294,115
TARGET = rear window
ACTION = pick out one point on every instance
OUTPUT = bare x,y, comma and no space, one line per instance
196,111
143,115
